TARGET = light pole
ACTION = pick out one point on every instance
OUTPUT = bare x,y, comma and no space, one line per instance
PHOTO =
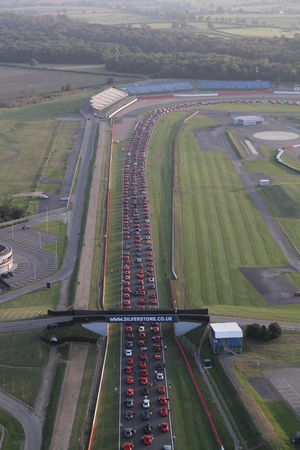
47,220
257,368
12,231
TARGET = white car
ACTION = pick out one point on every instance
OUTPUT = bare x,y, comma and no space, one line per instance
141,329
151,280
167,447
159,376
128,353
64,199
146,403
43,196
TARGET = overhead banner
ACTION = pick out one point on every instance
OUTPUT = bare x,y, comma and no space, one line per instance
122,319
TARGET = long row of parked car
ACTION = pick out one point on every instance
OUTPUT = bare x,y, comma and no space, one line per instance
143,367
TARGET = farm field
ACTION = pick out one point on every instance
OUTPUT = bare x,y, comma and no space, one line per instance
25,147
21,81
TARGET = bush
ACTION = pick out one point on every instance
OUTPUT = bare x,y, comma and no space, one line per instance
274,330
253,331
264,334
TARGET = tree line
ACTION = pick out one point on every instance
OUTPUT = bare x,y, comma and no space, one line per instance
156,53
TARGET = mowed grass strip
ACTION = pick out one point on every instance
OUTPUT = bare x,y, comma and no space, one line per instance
160,185
28,306
222,230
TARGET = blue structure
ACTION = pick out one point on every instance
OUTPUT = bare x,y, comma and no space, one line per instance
159,88
208,84
226,337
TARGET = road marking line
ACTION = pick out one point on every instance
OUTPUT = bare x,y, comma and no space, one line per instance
251,147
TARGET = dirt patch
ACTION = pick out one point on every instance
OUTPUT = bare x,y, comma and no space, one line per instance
264,388
272,285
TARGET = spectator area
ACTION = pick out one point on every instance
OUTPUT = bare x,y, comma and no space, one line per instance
226,337
219,85
158,88
107,98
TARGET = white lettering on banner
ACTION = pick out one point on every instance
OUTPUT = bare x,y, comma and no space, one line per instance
141,318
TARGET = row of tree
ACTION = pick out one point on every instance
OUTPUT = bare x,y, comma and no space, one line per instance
157,53
262,333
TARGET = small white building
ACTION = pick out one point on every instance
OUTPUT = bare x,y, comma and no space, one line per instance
6,258
248,120
226,337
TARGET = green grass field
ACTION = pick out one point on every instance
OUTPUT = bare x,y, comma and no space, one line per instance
26,147
223,232
22,357
14,433
28,306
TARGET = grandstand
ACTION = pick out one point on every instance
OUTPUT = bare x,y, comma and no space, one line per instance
158,88
226,337
106,98
207,84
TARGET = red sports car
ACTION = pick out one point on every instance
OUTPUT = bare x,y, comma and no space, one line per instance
129,392
164,427
164,412
129,380
161,389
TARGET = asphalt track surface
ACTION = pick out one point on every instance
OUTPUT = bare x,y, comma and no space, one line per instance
139,292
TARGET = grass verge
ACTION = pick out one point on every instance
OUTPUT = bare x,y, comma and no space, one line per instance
29,305
14,433
108,412
53,405
231,138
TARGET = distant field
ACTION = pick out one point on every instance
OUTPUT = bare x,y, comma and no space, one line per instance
24,149
20,81
256,32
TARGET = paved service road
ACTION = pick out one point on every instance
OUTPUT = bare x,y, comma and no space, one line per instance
30,423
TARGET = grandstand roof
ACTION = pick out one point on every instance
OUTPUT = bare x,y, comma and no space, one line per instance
107,98
226,330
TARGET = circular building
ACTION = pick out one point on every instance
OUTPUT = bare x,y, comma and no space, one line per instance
6,258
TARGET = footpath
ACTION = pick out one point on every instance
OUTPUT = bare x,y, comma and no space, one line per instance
78,353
